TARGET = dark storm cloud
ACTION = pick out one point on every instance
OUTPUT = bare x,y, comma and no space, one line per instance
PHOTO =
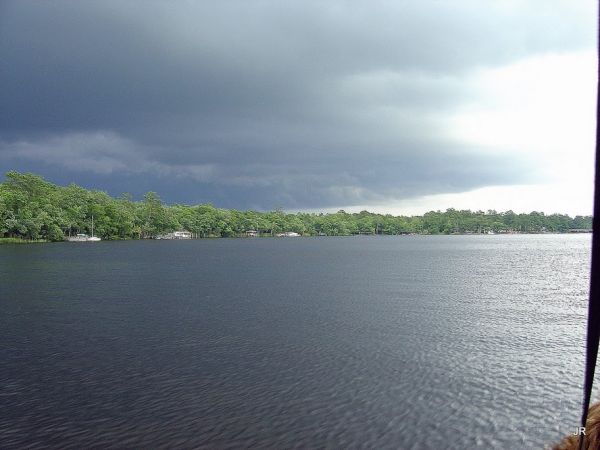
262,104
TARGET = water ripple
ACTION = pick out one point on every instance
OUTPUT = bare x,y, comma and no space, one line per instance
422,342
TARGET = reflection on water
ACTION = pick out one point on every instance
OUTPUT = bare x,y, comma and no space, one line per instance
373,342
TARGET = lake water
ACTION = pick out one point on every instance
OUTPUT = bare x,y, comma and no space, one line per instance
412,342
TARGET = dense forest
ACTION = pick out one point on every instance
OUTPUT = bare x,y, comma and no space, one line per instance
33,209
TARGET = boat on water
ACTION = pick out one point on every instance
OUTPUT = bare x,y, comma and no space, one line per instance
82,237
288,234
175,235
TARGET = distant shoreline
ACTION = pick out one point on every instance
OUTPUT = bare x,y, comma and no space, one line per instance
18,241
33,209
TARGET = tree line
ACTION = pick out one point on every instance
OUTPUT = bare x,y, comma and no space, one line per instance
32,208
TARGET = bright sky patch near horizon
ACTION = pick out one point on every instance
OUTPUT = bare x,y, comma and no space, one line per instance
391,106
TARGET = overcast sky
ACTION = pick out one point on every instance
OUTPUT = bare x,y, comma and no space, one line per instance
391,106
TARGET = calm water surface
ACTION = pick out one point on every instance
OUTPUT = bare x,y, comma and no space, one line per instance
420,342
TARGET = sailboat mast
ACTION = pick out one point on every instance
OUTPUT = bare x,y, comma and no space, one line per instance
92,226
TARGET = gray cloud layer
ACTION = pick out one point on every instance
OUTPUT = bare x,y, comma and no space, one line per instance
266,103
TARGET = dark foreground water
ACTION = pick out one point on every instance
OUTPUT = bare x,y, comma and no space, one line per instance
441,342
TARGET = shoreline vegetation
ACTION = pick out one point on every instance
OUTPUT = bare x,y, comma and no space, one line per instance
21,241
35,210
